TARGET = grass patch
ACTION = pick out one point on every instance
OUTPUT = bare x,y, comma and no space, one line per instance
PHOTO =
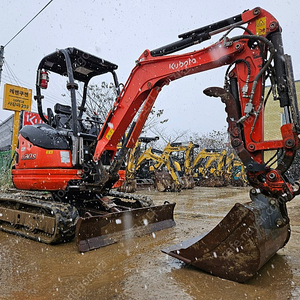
5,180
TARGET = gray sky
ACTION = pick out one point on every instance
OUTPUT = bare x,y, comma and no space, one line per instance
119,31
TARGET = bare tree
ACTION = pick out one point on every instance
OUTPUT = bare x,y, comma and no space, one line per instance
213,140
167,136
100,100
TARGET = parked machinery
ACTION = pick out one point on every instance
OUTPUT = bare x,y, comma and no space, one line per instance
137,173
210,167
185,161
163,169
235,173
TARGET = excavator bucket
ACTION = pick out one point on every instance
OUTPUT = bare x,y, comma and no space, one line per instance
97,231
164,182
188,182
248,236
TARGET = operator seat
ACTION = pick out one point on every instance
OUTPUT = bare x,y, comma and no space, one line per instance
63,115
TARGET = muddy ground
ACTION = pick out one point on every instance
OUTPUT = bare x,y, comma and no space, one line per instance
137,269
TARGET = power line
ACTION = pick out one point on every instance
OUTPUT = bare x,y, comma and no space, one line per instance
28,23
12,73
11,77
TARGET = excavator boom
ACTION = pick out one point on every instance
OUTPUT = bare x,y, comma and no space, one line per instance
155,69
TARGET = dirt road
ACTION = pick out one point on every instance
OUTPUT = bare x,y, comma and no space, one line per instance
137,269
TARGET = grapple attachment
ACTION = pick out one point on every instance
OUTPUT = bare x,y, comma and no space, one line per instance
93,232
248,236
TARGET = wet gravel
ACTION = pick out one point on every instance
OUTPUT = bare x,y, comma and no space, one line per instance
137,269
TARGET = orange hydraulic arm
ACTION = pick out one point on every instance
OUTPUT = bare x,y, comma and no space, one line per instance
251,57
151,73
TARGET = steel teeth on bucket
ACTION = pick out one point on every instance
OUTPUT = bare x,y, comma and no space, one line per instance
99,231
248,236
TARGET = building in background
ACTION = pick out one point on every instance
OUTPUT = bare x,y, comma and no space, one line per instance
274,115
273,120
6,130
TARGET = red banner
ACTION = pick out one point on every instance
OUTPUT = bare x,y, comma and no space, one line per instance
31,118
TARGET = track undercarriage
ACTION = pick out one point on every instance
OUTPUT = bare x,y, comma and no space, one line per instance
40,217
35,216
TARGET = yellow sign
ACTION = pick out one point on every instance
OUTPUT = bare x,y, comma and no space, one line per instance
16,98
109,134
261,26
15,132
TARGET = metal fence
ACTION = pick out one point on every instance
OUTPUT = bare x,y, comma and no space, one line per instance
5,161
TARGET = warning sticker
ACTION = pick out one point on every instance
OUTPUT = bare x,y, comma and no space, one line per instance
261,26
110,133
64,157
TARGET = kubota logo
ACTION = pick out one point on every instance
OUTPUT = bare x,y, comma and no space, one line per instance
182,64
28,156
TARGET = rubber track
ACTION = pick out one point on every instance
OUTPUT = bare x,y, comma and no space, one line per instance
65,216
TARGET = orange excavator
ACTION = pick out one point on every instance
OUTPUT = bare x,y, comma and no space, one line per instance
79,164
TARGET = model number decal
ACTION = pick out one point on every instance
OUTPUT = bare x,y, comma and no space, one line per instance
182,64
28,156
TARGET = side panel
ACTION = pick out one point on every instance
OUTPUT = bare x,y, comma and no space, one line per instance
30,157
44,179
37,168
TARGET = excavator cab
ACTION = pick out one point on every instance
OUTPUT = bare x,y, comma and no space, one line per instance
66,129
79,67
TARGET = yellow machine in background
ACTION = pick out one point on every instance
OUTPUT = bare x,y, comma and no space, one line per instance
176,168
184,163
133,165
218,168
148,166
164,170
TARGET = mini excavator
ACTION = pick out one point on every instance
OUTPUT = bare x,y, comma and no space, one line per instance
164,170
78,165
187,152
137,171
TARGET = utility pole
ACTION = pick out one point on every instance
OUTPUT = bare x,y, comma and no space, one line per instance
1,60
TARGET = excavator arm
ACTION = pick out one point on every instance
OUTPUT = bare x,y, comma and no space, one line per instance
261,227
154,69
252,57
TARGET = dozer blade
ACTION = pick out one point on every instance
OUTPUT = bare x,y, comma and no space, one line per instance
248,236
98,231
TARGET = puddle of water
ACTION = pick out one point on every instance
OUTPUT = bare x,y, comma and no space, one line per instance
137,269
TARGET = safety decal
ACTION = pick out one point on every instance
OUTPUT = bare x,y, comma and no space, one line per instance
261,28
110,133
